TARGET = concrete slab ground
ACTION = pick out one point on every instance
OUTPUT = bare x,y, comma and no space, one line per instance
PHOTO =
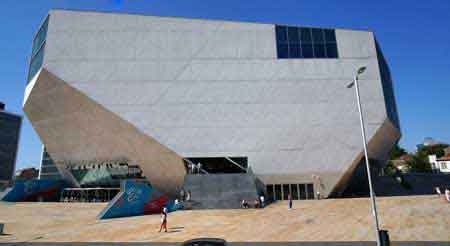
421,218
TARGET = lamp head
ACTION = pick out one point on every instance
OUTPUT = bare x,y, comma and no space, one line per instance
361,70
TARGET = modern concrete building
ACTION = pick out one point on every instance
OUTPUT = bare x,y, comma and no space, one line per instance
161,92
10,124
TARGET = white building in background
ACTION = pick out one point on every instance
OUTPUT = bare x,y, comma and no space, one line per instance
441,164
159,90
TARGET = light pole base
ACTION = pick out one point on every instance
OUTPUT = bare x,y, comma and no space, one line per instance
384,238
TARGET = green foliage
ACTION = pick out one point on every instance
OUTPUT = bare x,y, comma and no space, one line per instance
425,151
389,169
418,164
396,152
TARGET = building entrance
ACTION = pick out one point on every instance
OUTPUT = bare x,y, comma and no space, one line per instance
216,165
276,192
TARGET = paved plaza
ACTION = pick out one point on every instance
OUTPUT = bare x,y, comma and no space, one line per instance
422,218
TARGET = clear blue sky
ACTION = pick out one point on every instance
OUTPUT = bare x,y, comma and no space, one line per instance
414,37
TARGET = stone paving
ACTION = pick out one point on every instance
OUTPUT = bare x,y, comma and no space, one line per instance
423,218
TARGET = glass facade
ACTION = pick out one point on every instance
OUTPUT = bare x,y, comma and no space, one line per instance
37,51
302,42
388,89
9,141
48,167
298,191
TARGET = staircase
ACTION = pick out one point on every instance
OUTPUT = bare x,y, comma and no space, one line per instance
220,190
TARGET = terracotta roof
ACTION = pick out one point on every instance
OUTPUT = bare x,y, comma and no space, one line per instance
444,158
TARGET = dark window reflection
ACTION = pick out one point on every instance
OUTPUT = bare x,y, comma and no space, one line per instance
299,42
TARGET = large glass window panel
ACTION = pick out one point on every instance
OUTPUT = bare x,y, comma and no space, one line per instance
283,51
319,51
302,191
310,191
278,195
307,51
36,63
294,191
39,38
318,37
270,193
281,34
330,36
294,51
285,191
332,51
293,35
306,35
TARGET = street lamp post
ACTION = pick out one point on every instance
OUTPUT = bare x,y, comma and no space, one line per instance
363,132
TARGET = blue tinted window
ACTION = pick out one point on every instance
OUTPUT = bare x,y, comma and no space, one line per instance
330,36
293,35
37,50
332,50
39,38
281,33
307,51
306,35
318,37
298,42
283,51
36,63
319,51
294,51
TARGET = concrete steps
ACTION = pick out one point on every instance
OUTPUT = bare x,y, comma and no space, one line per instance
220,190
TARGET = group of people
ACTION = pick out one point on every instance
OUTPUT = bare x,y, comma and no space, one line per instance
257,203
78,199
446,193
194,168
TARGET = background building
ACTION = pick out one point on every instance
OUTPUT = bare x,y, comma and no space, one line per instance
27,173
441,164
165,92
9,142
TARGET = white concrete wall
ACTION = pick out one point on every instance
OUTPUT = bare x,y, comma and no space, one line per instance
215,88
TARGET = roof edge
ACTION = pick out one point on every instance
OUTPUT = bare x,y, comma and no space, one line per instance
204,19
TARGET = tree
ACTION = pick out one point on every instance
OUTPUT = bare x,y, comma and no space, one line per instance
437,149
418,164
390,169
396,152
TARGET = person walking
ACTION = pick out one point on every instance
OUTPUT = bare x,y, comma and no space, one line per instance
182,195
163,220
438,191
447,195
261,199
188,196
290,200
199,166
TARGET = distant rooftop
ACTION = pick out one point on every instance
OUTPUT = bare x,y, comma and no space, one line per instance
444,158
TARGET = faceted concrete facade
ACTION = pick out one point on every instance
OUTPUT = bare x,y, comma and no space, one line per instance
157,89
